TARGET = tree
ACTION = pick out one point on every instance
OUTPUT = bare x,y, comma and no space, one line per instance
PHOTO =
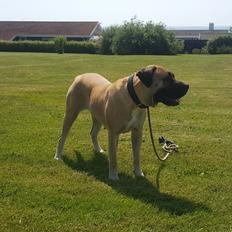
220,45
136,37
107,40
60,42
129,38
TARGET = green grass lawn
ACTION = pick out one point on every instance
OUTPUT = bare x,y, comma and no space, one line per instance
192,191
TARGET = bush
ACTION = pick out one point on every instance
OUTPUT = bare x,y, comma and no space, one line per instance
135,37
224,50
220,45
60,42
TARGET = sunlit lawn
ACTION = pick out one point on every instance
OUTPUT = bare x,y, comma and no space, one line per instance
192,191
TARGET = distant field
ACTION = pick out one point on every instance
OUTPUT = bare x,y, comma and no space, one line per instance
192,191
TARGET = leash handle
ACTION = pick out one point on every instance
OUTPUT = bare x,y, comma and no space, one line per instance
152,138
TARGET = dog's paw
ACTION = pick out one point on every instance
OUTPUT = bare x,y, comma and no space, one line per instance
57,157
113,176
138,173
99,151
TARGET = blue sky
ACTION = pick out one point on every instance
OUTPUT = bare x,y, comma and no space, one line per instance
172,13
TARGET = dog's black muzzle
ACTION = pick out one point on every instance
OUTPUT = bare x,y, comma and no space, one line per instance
171,94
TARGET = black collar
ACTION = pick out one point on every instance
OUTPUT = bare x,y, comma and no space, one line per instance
132,93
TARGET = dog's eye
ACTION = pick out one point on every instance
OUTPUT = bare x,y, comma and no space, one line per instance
168,78
171,74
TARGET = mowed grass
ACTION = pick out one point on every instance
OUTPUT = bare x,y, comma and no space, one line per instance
191,191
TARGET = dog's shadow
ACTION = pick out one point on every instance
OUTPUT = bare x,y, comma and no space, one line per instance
136,188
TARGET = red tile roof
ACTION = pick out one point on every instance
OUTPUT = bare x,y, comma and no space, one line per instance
10,29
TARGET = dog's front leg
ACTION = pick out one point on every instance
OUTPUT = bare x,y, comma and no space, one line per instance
136,138
113,145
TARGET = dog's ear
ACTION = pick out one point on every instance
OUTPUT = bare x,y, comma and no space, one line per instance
146,75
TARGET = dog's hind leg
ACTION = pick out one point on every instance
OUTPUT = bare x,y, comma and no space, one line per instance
68,121
72,111
94,133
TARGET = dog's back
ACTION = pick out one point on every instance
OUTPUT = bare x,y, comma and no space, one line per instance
82,87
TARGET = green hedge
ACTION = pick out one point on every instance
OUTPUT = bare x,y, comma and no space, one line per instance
27,46
81,47
49,46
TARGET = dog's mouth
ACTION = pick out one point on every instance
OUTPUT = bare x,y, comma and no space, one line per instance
166,100
171,95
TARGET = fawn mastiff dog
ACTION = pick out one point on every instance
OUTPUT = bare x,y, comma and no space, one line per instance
120,107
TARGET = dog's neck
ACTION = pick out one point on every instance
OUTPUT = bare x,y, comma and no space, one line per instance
133,86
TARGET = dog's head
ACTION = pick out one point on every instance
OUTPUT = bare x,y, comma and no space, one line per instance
162,86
